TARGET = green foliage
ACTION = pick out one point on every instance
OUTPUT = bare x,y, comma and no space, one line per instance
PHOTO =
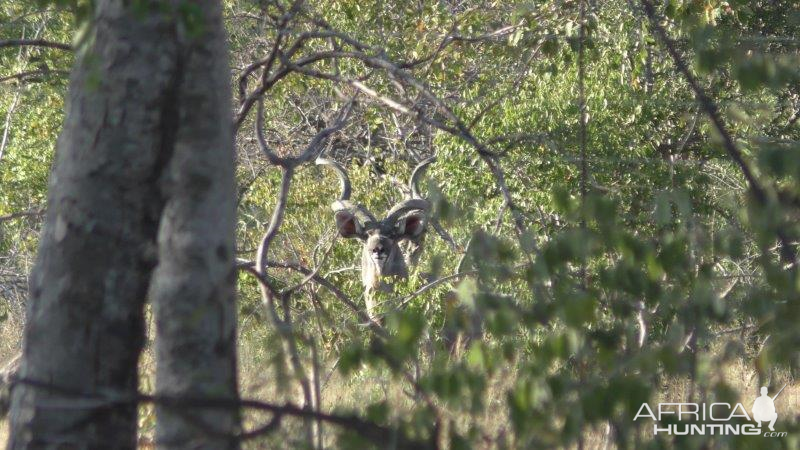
604,302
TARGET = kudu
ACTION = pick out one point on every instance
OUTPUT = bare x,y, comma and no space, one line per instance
404,225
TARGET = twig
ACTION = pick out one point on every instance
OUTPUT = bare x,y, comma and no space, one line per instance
7,124
249,266
369,430
405,300
317,390
316,269
31,213
582,117
32,73
712,110
373,325
442,232
34,43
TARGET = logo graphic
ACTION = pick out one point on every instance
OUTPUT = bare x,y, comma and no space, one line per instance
764,408
718,418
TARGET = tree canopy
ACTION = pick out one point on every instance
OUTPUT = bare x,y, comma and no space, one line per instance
614,213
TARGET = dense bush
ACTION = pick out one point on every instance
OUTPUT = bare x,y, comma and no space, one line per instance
658,273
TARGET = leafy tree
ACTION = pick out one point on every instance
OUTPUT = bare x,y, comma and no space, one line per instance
615,205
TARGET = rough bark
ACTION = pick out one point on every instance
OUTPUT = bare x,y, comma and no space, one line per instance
146,151
84,329
193,291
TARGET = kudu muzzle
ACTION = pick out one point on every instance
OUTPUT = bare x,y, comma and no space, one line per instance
382,255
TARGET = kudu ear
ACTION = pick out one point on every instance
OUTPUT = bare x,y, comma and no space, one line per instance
411,225
348,225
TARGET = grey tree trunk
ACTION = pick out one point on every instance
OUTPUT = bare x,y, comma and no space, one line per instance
84,327
193,291
146,131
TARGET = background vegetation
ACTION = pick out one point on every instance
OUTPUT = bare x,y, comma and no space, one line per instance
585,267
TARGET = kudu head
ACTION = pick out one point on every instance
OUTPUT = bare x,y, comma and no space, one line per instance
406,221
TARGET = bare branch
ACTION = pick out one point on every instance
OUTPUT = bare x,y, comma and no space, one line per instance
275,222
32,73
315,146
273,158
456,276
712,111
369,430
34,43
316,278
37,212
